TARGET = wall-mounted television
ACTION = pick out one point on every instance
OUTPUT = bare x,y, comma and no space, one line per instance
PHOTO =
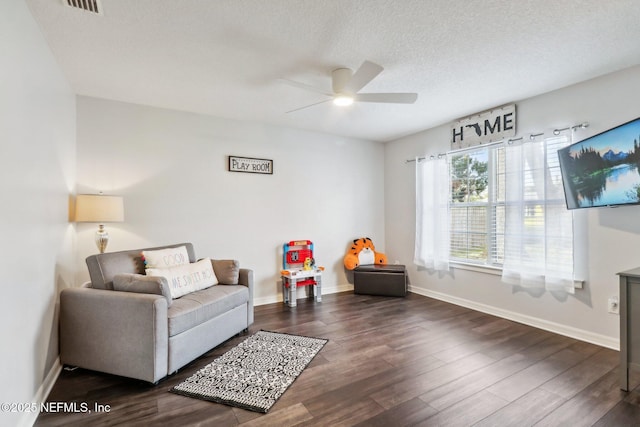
603,170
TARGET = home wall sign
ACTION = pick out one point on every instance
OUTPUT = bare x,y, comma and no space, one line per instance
485,127
250,165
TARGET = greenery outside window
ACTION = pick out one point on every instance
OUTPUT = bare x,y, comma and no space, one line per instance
477,208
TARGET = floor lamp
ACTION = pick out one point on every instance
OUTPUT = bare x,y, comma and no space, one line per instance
99,209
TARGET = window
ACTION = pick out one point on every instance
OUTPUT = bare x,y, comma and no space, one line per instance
477,206
501,206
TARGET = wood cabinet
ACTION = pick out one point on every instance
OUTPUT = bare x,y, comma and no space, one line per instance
629,324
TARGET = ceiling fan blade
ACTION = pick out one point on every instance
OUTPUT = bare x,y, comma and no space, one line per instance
394,98
305,87
367,72
307,106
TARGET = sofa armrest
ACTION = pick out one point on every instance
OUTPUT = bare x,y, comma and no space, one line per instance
139,283
246,279
120,333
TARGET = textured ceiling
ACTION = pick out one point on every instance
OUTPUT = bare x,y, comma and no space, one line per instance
225,57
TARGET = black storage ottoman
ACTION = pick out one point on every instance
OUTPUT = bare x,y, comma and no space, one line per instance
380,279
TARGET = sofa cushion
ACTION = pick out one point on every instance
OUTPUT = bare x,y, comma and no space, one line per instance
133,282
227,270
165,258
200,306
184,279
103,267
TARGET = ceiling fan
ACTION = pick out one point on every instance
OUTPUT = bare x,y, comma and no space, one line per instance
346,84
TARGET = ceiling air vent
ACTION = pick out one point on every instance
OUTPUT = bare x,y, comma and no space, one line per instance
93,6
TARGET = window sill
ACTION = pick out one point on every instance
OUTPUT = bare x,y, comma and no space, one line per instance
496,271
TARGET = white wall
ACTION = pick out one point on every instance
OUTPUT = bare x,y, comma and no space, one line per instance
171,168
613,234
37,175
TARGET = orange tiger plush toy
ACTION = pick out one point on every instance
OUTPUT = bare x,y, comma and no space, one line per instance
363,252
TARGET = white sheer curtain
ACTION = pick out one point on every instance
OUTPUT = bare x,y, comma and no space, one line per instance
538,227
432,213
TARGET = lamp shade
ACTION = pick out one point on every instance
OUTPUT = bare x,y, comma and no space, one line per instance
98,208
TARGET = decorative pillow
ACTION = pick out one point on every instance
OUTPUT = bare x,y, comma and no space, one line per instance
183,279
142,284
227,270
165,258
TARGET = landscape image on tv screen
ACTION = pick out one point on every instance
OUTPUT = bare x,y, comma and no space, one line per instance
603,170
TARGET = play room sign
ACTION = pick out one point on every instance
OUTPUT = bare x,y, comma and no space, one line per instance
250,165
482,128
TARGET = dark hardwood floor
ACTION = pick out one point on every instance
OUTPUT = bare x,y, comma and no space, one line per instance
411,361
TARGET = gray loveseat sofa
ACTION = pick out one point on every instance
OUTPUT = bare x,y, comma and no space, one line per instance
142,335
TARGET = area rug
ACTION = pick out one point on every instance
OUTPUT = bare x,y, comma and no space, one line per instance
255,373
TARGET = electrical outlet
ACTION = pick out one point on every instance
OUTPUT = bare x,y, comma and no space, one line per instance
614,306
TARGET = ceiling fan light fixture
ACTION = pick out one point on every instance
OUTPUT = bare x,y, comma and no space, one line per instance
343,100
346,85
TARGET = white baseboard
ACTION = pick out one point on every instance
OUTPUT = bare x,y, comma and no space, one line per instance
29,418
325,291
569,331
